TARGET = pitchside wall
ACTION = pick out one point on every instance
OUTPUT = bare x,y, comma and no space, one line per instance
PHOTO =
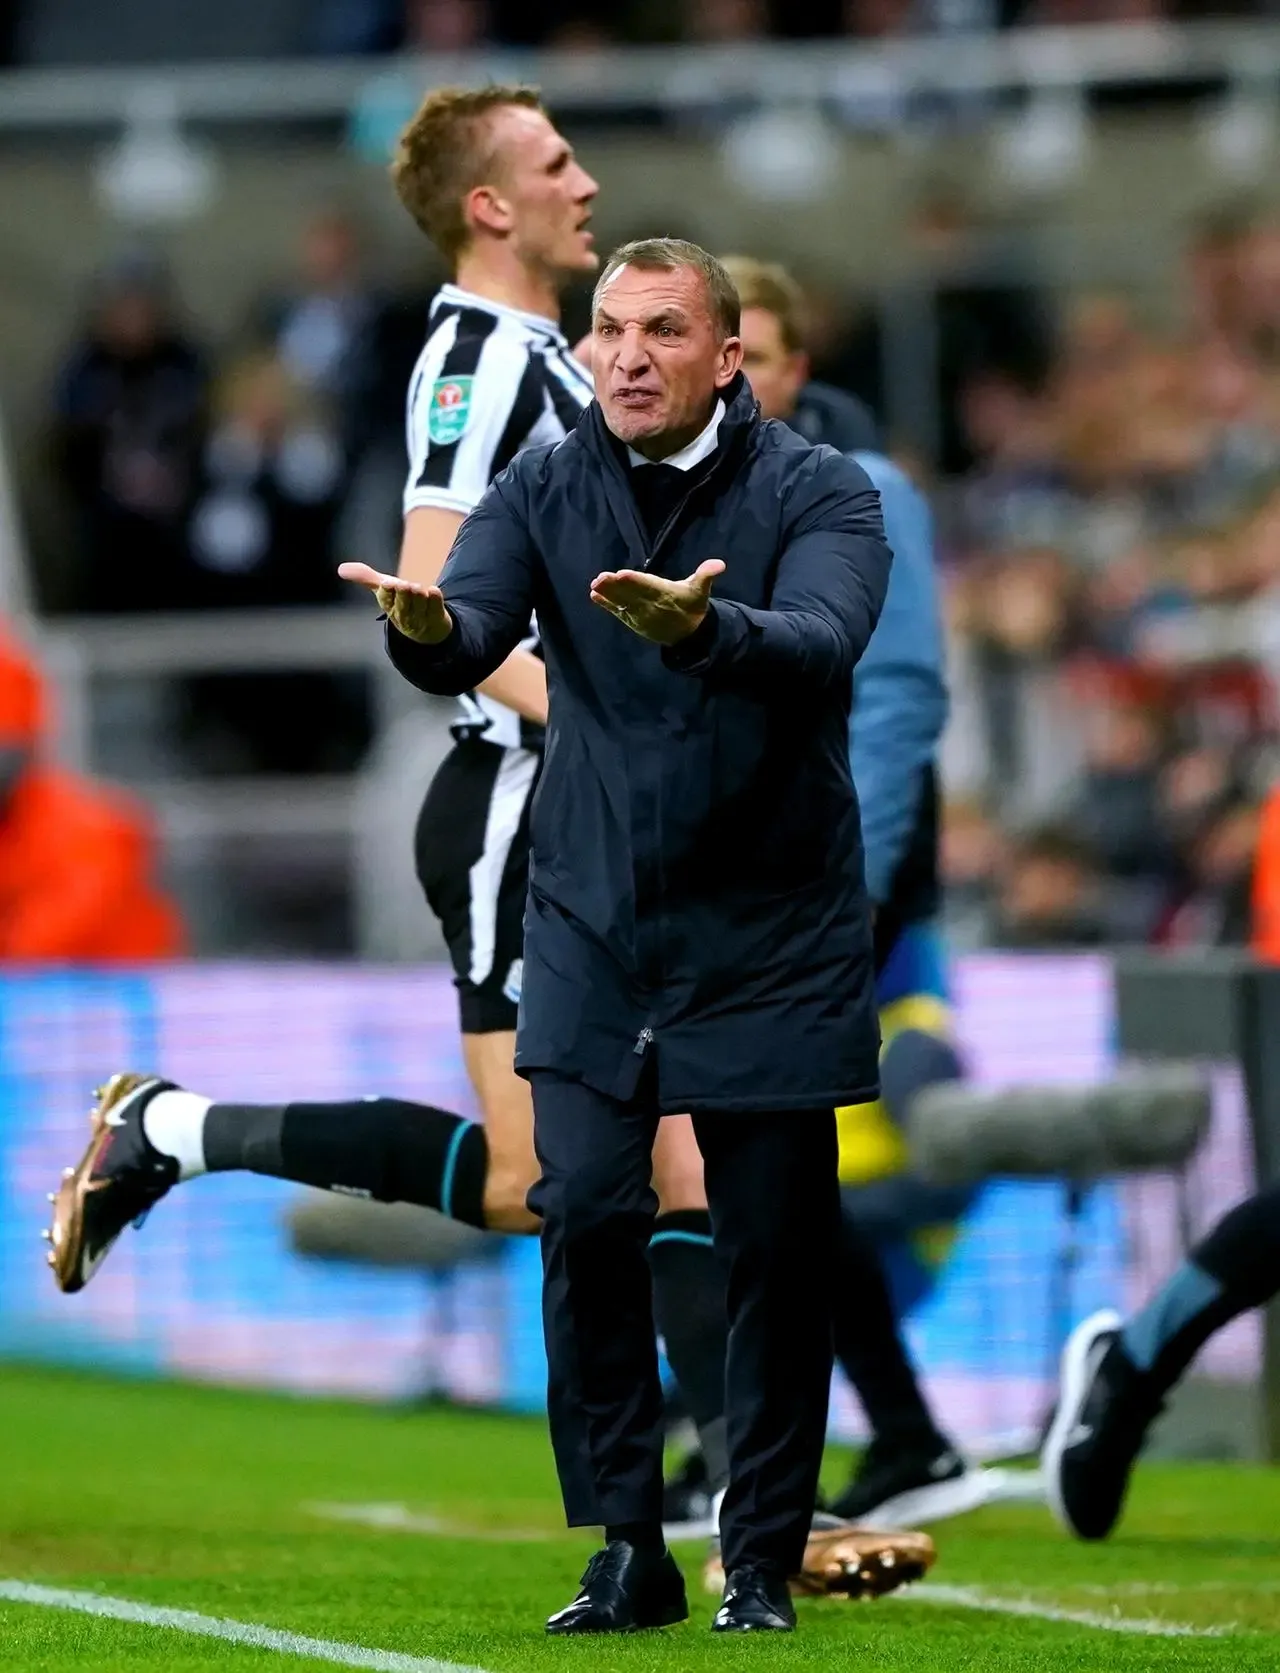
209,1289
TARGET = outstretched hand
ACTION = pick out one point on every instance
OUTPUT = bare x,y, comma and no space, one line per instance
415,610
659,610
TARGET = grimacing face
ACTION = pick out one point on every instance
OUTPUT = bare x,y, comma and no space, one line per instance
776,374
541,195
658,358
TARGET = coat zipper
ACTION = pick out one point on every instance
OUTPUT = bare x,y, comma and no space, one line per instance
675,516
644,1039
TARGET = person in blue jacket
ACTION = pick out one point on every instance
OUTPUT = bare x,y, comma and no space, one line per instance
698,936
911,1472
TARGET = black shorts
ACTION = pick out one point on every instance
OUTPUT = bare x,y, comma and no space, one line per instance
472,853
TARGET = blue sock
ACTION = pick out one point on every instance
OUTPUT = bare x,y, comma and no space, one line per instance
1177,1309
1234,1267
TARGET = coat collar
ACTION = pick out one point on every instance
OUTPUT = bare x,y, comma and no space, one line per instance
737,431
741,416
692,453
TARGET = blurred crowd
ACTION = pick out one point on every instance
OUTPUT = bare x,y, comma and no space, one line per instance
345,28
1114,596
1109,524
368,26
217,481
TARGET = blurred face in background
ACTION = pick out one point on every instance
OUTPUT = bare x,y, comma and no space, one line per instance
1024,607
330,253
260,397
1003,424
1123,738
776,373
971,846
728,20
659,357
130,322
446,25
1045,891
541,195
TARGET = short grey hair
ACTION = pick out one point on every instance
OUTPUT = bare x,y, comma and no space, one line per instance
666,255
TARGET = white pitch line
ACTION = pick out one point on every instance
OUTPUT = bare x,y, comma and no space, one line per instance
400,1519
970,1597
247,1633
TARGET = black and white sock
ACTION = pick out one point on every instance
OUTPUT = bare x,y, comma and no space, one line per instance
173,1123
384,1148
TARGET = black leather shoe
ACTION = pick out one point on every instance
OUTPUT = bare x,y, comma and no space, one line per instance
756,1599
625,1590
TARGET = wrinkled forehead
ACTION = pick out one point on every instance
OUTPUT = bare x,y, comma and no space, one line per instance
635,293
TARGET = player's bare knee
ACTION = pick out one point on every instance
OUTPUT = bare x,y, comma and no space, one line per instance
506,1207
677,1167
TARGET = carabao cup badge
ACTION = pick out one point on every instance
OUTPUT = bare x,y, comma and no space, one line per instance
450,410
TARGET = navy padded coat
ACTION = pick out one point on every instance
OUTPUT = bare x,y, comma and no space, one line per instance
696,888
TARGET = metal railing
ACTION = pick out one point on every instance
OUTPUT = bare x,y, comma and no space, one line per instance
370,812
78,651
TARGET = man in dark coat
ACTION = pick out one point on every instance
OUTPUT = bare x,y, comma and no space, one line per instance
698,935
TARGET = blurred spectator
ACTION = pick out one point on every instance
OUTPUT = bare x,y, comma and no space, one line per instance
314,324
129,410
445,25
973,293
371,419
1050,894
262,535
1014,739
76,859
875,19
726,20
972,851
1214,907
1121,815
262,530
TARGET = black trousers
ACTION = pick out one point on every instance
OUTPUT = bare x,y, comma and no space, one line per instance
775,1210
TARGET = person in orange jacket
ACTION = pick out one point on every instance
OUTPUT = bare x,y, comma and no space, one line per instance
75,857
1265,939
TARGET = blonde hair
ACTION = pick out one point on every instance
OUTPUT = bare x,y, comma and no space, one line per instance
766,285
447,151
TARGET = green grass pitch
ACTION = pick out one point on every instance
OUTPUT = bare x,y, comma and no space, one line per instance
199,1499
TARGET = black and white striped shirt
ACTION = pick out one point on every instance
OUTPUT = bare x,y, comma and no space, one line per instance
490,381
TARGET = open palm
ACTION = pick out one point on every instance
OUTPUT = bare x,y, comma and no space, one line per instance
415,610
660,610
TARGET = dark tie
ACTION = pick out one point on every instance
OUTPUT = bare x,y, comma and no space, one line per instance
658,490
